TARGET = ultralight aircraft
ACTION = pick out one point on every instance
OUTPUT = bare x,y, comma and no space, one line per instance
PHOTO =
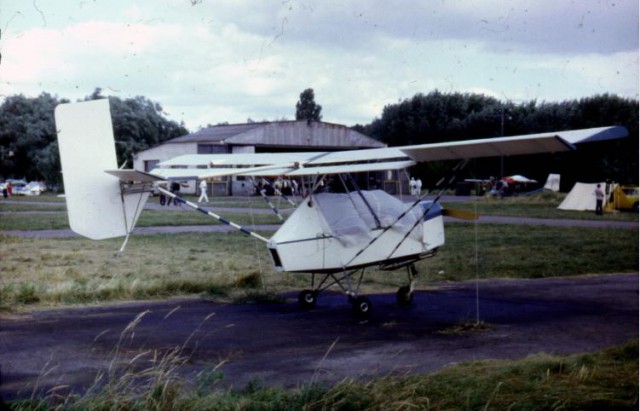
334,236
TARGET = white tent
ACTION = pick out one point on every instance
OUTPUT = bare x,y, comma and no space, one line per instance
582,197
553,183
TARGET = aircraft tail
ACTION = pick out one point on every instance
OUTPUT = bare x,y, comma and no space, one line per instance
99,204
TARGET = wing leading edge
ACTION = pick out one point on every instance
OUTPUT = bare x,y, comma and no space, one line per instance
515,145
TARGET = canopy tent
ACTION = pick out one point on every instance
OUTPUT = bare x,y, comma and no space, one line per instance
582,197
553,182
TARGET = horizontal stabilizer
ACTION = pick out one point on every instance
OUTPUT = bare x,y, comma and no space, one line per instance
134,176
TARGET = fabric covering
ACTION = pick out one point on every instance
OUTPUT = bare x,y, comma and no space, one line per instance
350,220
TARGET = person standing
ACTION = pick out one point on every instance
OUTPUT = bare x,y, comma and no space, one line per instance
175,189
203,192
599,199
412,186
163,196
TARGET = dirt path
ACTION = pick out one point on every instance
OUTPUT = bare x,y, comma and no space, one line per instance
281,345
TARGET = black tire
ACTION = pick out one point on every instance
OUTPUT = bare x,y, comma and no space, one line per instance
404,296
307,299
362,307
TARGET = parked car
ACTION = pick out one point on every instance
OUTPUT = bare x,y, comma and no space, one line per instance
22,188
631,197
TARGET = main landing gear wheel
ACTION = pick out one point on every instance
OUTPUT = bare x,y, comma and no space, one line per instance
307,299
404,296
361,307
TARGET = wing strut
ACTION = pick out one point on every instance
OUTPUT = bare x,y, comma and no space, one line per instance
214,215
373,213
457,168
126,189
447,182
263,193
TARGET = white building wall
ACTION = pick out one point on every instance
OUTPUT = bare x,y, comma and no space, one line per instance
165,152
162,153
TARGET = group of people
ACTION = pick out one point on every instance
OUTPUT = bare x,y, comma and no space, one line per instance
500,188
174,188
415,186
283,186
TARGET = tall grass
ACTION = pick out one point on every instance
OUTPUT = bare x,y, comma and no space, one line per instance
73,270
593,381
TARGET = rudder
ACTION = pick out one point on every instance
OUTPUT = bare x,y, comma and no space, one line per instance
95,205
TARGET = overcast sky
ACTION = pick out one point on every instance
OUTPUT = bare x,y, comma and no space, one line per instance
211,61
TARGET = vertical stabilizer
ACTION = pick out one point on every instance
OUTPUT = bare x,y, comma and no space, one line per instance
96,208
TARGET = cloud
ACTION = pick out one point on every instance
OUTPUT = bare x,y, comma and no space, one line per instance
229,60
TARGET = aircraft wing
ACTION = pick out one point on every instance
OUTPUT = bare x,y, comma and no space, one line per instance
302,158
389,158
277,170
515,145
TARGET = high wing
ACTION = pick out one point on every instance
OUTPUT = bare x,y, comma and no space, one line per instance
391,158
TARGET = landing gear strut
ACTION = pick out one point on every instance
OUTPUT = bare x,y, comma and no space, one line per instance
404,296
361,306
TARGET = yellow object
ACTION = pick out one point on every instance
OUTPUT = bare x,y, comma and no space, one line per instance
623,198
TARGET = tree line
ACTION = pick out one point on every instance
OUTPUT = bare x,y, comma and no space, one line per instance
28,145
438,117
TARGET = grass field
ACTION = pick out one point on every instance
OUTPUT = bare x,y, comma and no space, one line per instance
45,272
538,206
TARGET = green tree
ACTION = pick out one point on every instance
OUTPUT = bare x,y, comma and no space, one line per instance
437,117
28,144
27,129
306,107
138,123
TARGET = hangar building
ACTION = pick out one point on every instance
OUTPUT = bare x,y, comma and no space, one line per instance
265,137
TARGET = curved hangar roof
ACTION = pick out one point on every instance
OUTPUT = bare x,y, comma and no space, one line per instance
313,134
